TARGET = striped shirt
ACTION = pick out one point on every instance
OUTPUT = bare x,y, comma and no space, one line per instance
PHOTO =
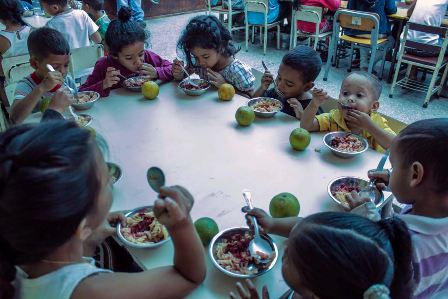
239,75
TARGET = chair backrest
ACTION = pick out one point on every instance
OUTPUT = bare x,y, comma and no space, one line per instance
18,72
82,60
257,6
9,90
3,120
306,13
353,19
9,63
420,45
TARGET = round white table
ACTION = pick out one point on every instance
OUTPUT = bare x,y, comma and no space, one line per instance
198,144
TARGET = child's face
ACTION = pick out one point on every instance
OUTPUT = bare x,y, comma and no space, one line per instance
51,9
357,93
132,57
86,8
290,83
59,62
206,58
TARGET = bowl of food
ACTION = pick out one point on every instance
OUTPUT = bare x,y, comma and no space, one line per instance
142,229
265,107
345,144
85,100
84,120
230,254
191,89
114,172
135,83
340,187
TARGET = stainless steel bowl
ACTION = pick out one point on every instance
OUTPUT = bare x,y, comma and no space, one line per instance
241,230
194,92
127,83
84,120
352,182
114,171
86,105
253,101
343,154
139,245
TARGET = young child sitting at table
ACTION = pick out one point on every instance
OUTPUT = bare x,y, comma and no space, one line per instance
33,93
358,103
419,180
340,255
94,8
74,24
64,197
125,41
207,44
296,75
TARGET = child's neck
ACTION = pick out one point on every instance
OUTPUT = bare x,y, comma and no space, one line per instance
96,15
64,9
222,63
9,26
431,205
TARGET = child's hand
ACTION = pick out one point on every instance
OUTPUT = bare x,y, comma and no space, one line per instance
215,78
249,291
358,119
319,96
296,106
381,177
97,237
116,217
178,73
51,80
148,70
111,78
264,220
266,80
174,209
354,199
60,100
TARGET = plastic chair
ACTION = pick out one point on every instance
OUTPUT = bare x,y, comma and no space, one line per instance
225,11
351,19
434,64
10,90
22,62
260,6
310,14
82,60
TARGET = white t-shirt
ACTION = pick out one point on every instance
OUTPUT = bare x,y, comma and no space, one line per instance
17,40
427,12
76,26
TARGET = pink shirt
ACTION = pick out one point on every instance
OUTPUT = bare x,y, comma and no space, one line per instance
332,5
95,80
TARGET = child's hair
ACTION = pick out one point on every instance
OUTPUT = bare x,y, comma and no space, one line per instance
48,184
341,255
61,3
96,5
375,84
11,10
45,41
206,32
123,32
426,141
305,60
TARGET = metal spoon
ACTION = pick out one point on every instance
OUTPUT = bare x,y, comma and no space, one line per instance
281,94
371,189
259,248
156,178
188,75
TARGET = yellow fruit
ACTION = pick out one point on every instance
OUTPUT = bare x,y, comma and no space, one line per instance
44,104
206,228
244,116
150,90
299,139
284,205
226,92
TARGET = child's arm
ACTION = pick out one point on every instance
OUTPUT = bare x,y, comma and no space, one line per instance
163,67
390,7
332,5
178,73
296,106
4,45
101,79
96,38
308,121
266,81
276,226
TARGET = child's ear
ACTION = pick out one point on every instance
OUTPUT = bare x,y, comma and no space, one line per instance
83,232
375,106
308,86
417,174
34,63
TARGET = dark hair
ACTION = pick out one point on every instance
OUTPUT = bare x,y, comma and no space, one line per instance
426,141
48,184
45,41
11,10
123,32
341,255
305,60
206,32
94,4
375,84
61,3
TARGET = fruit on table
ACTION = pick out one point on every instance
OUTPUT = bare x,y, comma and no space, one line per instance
150,90
299,139
206,228
284,205
244,116
226,92
44,104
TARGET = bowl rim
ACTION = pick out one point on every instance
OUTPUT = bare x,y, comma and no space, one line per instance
135,87
97,96
237,275
90,117
362,139
193,90
136,245
381,199
119,168
252,101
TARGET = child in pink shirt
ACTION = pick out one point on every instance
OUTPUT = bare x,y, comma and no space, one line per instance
327,5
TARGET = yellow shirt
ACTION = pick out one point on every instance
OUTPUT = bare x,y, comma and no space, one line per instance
334,121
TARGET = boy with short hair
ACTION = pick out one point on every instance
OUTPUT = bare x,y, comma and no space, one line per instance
38,91
94,8
75,25
358,103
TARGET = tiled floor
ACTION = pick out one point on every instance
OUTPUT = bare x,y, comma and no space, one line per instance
406,105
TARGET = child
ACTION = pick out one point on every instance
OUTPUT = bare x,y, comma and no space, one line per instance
64,198
358,102
325,25
125,40
419,179
74,24
94,8
341,255
33,93
296,75
206,43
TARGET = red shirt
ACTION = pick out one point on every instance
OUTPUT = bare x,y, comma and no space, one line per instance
332,5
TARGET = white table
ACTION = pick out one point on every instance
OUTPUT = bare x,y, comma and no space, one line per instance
36,21
197,143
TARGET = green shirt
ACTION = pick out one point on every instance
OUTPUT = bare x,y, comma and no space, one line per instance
103,23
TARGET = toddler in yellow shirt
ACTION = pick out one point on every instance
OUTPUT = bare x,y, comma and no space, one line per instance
358,103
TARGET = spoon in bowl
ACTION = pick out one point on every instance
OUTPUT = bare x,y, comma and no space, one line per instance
188,75
275,84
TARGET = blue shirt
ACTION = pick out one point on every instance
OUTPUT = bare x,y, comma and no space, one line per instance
380,7
258,17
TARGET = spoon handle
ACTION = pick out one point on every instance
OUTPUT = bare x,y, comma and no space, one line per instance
247,198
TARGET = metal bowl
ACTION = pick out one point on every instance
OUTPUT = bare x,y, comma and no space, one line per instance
194,92
254,101
139,245
86,105
84,120
352,182
241,230
114,171
129,81
343,154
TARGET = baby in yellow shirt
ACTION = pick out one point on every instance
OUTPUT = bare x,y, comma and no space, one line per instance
358,102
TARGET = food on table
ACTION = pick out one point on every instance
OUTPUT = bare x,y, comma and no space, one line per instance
83,120
114,172
143,227
299,139
267,105
284,205
348,143
150,90
135,81
226,92
244,116
201,85
340,192
206,228
85,97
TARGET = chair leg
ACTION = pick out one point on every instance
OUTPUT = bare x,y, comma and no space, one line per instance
229,23
316,41
442,82
350,61
247,35
372,60
265,39
278,37
380,75
429,93
261,35
331,53
253,34
292,36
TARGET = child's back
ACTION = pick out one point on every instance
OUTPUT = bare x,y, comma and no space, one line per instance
380,7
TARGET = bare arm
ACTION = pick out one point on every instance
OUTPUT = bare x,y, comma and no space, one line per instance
24,107
276,226
96,38
381,136
308,121
411,8
266,81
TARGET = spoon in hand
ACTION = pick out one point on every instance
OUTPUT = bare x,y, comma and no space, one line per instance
156,178
275,84
188,75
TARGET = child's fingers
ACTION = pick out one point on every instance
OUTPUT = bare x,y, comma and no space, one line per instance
252,289
173,209
159,207
242,291
232,295
265,293
381,175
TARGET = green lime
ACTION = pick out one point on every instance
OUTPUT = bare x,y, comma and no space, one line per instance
245,115
44,104
299,139
206,228
284,205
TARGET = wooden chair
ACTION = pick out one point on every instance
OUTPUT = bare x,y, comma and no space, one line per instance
225,11
434,64
310,14
82,61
